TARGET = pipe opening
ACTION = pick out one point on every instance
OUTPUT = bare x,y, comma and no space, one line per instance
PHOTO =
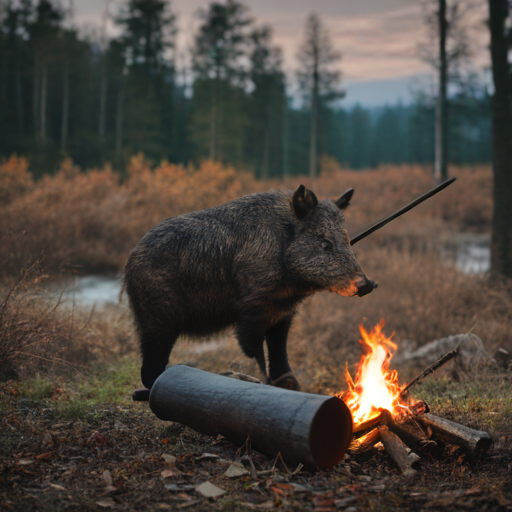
330,433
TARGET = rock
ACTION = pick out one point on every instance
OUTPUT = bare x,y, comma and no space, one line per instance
503,359
472,353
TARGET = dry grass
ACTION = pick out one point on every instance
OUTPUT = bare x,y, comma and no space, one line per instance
38,335
94,218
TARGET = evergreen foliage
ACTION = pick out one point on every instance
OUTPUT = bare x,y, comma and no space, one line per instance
63,94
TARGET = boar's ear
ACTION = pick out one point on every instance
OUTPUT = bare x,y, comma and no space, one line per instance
344,200
303,201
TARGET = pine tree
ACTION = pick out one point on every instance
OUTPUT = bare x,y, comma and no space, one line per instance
220,75
267,102
319,78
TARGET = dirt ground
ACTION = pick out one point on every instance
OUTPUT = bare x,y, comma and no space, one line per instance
124,458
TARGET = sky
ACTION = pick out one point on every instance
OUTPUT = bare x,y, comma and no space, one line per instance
378,39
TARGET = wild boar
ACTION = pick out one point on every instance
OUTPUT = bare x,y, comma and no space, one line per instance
247,264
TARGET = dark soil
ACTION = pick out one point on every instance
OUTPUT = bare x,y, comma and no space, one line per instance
114,459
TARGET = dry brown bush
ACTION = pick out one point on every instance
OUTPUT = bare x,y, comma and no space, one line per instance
94,218
38,334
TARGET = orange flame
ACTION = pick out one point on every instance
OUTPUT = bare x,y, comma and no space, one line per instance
375,387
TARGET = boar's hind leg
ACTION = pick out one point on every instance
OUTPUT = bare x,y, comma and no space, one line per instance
250,333
155,349
280,372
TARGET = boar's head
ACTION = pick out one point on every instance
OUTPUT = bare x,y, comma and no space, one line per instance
320,255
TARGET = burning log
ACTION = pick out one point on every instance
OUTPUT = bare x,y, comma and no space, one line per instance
401,454
310,429
365,443
476,442
409,431
368,424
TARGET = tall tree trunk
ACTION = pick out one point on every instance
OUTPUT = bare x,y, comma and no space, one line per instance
119,120
103,101
215,118
19,102
501,242
65,109
441,164
44,88
266,152
286,154
313,151
35,96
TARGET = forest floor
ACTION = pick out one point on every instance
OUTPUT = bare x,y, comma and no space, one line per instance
79,443
71,438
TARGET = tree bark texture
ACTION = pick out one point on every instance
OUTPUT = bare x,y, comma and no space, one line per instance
313,156
44,89
119,119
314,430
501,242
65,110
441,164
103,101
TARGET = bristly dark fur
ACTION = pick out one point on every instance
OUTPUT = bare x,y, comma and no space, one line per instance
247,263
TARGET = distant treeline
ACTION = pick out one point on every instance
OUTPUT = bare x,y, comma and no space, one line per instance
66,93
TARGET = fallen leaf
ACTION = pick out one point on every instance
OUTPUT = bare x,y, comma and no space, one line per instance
188,504
45,456
106,503
260,506
235,470
176,487
209,490
166,473
107,477
58,487
208,456
169,459
163,506
25,462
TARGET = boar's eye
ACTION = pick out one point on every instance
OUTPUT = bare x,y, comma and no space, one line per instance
326,245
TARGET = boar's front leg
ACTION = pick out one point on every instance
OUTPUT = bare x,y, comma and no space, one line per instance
251,334
280,372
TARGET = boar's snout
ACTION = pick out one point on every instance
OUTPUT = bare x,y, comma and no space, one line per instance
365,286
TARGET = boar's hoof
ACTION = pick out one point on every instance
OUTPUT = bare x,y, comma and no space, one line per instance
287,381
141,395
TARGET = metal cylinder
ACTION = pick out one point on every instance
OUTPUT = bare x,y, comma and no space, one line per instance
314,430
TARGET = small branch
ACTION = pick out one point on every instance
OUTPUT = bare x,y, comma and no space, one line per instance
431,369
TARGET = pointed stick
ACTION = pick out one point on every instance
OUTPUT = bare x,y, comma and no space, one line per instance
405,209
431,369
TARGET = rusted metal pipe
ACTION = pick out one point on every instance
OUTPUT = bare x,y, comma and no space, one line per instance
314,430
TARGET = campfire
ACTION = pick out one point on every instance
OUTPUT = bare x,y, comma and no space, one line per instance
383,411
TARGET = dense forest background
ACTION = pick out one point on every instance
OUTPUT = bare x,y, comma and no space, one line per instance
64,93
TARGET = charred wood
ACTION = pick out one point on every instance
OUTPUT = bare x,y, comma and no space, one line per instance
365,443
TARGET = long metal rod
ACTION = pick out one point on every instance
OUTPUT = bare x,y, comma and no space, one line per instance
405,209
310,429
